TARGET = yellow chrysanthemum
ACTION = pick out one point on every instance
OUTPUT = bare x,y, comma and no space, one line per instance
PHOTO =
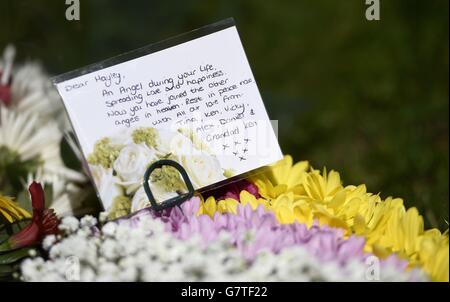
11,211
281,178
295,194
210,206
247,198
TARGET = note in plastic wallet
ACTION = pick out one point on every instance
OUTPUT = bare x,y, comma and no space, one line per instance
188,107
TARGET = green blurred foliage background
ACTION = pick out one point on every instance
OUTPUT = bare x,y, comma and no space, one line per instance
369,99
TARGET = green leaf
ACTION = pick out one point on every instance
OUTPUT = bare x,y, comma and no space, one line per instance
8,229
23,200
13,170
6,272
68,156
48,195
6,269
13,256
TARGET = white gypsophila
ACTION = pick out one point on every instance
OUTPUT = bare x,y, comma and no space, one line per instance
131,164
103,216
109,229
107,184
69,224
48,242
88,221
26,135
146,252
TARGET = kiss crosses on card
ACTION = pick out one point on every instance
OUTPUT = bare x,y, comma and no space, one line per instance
190,100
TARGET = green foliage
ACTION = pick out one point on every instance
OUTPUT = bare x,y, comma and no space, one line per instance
7,229
13,171
68,156
13,256
9,260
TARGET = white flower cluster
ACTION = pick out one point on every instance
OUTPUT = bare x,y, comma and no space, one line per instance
146,252
118,165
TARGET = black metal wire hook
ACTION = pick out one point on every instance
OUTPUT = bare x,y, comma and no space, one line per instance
174,201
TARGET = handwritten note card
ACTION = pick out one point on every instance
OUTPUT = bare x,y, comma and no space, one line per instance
192,99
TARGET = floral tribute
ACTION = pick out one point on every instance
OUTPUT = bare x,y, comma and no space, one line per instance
288,223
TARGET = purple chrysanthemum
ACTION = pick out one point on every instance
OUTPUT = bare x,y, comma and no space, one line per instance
253,231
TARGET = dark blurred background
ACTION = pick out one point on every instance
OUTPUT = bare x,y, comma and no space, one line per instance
368,99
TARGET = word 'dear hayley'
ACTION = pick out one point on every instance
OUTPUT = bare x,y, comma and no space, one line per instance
191,99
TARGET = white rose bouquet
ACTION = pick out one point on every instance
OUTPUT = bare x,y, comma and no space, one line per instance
118,165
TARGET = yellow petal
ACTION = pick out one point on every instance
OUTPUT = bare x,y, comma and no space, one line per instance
284,215
359,225
6,215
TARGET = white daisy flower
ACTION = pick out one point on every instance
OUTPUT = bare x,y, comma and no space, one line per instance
24,134
31,90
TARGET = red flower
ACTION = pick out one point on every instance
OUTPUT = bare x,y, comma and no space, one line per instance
5,93
44,222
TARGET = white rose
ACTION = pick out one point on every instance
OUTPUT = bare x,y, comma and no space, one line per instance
181,145
203,169
140,198
131,164
122,138
174,143
163,141
107,184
